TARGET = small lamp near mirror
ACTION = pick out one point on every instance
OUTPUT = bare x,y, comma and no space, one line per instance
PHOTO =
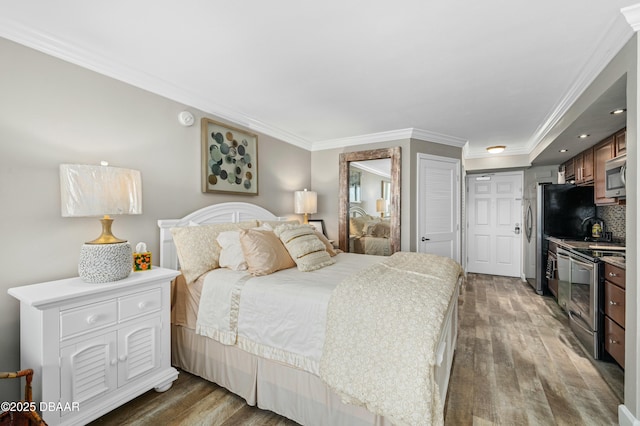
381,206
100,191
306,203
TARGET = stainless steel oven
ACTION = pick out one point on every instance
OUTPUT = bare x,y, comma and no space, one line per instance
584,300
564,278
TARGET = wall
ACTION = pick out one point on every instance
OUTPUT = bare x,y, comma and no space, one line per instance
53,112
615,220
324,178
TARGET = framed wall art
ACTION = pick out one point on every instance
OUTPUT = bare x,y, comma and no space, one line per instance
229,159
318,224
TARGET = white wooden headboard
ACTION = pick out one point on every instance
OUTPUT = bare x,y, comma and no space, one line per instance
217,213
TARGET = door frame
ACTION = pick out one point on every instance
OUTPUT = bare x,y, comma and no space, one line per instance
456,161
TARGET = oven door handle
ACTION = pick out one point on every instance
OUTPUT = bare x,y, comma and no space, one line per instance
577,319
587,266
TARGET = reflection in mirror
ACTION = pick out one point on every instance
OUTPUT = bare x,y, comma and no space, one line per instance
369,221
354,185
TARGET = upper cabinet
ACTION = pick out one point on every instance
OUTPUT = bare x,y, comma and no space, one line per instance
604,151
583,165
609,148
621,142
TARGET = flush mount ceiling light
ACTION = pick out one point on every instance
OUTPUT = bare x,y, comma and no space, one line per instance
496,149
583,136
618,111
564,150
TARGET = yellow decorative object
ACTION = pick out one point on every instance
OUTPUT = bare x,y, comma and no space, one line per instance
141,261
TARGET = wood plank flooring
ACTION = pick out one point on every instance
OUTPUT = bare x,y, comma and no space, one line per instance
517,363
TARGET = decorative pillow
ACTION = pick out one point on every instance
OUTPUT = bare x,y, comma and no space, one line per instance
231,255
304,246
264,252
356,225
198,251
274,223
380,229
328,246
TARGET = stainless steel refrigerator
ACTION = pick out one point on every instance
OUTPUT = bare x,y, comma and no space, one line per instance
556,210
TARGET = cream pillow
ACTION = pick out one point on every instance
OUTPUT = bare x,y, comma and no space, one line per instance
264,252
231,255
274,223
327,244
198,251
304,246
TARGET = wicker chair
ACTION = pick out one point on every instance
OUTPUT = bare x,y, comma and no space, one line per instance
29,417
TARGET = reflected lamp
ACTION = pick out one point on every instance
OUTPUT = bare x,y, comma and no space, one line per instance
101,191
381,206
306,203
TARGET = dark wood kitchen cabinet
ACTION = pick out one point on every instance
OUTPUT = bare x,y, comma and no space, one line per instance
583,165
603,152
614,312
569,170
621,142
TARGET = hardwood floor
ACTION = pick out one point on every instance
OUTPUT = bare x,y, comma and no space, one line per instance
517,363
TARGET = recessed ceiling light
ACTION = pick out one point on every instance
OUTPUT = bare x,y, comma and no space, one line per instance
583,136
618,111
564,150
496,149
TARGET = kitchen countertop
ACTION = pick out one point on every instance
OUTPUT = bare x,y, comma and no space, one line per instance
614,260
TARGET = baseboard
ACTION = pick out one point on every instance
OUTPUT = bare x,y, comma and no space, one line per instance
625,418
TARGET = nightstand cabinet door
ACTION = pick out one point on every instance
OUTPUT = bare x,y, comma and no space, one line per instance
89,369
138,350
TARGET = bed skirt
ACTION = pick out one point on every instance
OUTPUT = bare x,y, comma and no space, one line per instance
293,393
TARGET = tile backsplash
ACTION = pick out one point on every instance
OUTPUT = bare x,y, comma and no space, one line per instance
615,220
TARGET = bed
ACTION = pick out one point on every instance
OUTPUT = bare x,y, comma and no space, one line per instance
240,345
368,234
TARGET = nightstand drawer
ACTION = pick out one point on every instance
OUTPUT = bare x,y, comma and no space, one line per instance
139,304
87,318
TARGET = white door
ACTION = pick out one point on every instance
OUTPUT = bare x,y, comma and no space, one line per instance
438,206
494,215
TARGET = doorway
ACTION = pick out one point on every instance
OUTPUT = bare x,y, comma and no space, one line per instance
438,206
494,216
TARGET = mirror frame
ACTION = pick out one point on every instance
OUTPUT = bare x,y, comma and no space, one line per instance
394,205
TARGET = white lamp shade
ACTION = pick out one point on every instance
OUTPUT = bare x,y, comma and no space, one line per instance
306,202
381,205
88,190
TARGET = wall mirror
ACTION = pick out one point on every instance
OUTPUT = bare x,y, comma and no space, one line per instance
369,220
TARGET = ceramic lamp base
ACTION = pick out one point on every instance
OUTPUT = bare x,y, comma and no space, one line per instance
104,263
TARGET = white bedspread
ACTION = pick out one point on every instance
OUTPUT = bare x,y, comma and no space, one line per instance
281,316
383,327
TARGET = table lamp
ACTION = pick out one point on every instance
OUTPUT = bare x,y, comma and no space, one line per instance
100,191
306,202
381,206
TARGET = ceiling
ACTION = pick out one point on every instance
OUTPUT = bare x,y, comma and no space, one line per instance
326,74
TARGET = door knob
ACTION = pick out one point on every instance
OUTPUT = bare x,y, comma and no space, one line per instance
517,229
425,239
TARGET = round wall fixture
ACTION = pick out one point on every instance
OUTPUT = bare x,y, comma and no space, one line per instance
186,118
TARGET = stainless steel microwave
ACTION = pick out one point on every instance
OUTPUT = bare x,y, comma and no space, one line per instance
615,175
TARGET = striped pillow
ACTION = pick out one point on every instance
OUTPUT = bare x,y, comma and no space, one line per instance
304,246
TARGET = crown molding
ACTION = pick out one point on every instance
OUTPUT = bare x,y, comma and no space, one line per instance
613,40
632,15
391,135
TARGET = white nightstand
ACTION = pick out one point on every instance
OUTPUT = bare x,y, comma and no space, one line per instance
94,347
